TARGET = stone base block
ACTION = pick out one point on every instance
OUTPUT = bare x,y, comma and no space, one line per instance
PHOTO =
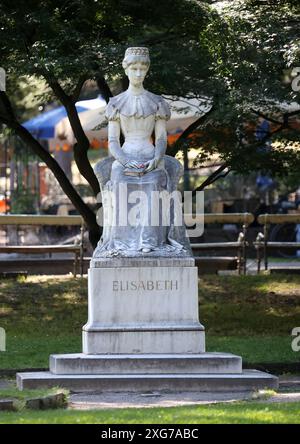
248,380
143,307
80,364
140,340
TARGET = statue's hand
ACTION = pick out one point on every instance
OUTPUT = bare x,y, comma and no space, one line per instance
151,165
132,164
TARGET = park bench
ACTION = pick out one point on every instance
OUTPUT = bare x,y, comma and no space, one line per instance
240,245
77,249
46,220
262,243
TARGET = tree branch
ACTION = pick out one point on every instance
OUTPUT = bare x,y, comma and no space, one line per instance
7,108
264,116
216,175
78,88
104,88
212,178
57,89
177,146
293,113
286,116
266,138
82,146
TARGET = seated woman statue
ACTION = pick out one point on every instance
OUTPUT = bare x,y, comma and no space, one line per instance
137,170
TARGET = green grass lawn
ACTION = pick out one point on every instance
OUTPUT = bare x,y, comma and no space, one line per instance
13,393
32,351
295,260
234,413
249,315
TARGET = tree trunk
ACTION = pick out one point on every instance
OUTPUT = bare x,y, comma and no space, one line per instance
82,146
186,177
87,214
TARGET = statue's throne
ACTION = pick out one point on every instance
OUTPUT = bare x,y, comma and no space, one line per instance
174,170
173,167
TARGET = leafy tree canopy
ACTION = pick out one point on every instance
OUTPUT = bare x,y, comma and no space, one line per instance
236,56
253,48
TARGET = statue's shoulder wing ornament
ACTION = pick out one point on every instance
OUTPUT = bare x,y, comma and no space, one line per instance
140,106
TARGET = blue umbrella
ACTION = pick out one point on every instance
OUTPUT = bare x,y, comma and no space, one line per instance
43,126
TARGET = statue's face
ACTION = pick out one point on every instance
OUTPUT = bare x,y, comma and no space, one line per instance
136,73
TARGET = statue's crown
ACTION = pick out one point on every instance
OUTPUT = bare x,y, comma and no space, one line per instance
137,50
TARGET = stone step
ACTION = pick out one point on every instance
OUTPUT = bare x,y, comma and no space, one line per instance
249,380
202,363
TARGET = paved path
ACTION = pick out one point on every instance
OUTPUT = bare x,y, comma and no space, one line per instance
132,400
283,397
82,401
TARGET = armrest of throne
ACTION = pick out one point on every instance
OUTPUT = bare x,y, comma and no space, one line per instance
102,170
175,171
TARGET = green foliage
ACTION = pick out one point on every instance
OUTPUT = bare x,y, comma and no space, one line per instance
23,202
27,93
84,39
226,413
236,55
251,45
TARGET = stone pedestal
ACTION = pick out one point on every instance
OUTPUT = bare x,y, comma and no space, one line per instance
143,306
143,333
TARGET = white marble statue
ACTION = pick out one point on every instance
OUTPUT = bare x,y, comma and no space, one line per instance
139,166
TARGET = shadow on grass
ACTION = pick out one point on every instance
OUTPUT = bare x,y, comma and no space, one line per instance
43,305
252,316
249,305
